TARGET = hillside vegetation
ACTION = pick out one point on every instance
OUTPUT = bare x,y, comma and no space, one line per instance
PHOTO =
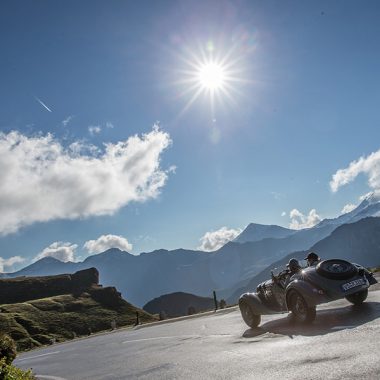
58,318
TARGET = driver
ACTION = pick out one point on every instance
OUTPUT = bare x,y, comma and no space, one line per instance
292,267
312,259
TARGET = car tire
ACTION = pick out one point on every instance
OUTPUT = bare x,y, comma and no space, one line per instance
250,318
357,298
336,269
301,312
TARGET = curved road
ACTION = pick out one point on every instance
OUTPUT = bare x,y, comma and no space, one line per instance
343,343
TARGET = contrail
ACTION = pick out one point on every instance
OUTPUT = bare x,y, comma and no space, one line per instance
43,104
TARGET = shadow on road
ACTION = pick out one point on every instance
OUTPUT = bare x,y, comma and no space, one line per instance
327,321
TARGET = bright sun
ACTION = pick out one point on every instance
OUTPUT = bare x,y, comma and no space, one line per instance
213,73
211,76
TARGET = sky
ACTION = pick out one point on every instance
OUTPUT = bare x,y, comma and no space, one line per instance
167,124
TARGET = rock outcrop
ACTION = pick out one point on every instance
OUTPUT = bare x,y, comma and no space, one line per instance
21,289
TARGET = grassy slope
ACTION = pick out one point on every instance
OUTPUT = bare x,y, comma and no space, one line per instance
39,322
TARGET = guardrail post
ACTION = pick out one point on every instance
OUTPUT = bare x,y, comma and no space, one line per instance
137,318
215,301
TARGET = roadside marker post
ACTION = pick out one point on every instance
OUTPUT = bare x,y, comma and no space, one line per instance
137,319
215,301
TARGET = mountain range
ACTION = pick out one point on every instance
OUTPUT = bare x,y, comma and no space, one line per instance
256,232
141,278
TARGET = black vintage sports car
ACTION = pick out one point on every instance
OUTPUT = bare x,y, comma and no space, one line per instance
301,292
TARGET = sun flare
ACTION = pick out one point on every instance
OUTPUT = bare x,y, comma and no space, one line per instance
211,76
212,73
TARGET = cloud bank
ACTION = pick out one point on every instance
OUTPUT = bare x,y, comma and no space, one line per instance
105,242
348,208
8,263
211,241
369,165
299,220
59,250
40,180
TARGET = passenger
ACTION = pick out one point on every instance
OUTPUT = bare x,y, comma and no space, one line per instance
312,259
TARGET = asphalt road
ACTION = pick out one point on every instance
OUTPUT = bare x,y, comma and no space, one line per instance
343,343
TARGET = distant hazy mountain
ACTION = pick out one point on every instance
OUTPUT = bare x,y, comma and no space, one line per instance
45,267
256,232
253,256
149,275
356,242
178,304
370,206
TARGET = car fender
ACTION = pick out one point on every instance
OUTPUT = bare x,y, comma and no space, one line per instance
309,292
256,304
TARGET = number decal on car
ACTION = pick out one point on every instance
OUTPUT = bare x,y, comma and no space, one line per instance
353,284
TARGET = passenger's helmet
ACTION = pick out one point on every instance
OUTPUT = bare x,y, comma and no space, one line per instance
293,265
312,257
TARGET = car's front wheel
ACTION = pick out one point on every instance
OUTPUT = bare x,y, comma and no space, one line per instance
358,298
251,319
301,312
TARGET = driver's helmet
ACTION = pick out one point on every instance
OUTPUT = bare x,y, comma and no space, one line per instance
312,259
293,265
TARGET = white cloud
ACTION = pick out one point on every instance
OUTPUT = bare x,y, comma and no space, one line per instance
348,208
369,165
105,242
278,196
299,220
283,213
211,241
368,195
59,250
8,263
40,180
66,121
94,129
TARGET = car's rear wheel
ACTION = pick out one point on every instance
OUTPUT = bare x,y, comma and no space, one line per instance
249,317
301,312
358,298
336,269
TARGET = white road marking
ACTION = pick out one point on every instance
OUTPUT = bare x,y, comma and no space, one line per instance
161,337
43,377
38,356
178,337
